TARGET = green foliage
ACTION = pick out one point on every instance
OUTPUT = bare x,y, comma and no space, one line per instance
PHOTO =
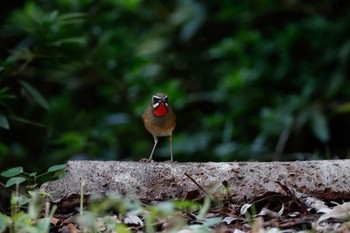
35,94
12,172
245,79
26,221
17,175
56,168
131,211
25,205
27,216
14,181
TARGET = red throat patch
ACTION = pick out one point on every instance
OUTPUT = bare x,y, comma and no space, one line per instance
161,110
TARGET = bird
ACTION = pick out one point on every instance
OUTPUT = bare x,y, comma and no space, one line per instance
160,120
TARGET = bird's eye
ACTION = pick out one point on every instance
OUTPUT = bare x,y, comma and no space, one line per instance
156,99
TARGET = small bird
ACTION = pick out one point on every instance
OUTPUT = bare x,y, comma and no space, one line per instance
160,120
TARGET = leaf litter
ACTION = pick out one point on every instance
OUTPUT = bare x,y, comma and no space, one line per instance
288,211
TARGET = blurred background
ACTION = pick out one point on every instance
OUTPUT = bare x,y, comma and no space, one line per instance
249,80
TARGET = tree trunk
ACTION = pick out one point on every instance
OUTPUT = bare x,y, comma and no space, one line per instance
159,181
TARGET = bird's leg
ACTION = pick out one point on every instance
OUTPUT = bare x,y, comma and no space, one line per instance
154,146
171,148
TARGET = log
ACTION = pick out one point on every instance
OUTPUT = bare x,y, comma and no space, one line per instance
160,181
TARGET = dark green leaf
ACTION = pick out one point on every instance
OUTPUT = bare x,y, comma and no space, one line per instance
73,15
4,90
12,172
15,180
4,122
56,168
319,125
72,18
73,40
344,108
4,93
23,120
35,94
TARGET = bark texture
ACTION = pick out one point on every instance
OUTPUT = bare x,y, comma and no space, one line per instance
327,180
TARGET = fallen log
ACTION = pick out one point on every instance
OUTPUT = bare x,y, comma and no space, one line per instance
159,181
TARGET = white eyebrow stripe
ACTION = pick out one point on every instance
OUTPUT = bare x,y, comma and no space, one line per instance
158,98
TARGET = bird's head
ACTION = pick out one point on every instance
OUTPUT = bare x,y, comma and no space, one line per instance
160,104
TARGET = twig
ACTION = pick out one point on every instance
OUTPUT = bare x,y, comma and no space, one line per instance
198,185
82,196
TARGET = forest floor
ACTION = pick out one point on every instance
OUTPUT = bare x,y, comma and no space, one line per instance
270,212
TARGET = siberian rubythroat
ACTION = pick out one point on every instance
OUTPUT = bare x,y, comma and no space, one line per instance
160,120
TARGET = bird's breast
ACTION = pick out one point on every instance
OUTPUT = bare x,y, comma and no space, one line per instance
160,126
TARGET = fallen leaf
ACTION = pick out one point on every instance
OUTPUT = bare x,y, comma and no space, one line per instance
245,208
268,213
73,228
228,220
339,213
133,219
54,221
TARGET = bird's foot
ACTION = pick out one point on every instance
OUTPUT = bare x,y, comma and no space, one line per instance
144,160
170,161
